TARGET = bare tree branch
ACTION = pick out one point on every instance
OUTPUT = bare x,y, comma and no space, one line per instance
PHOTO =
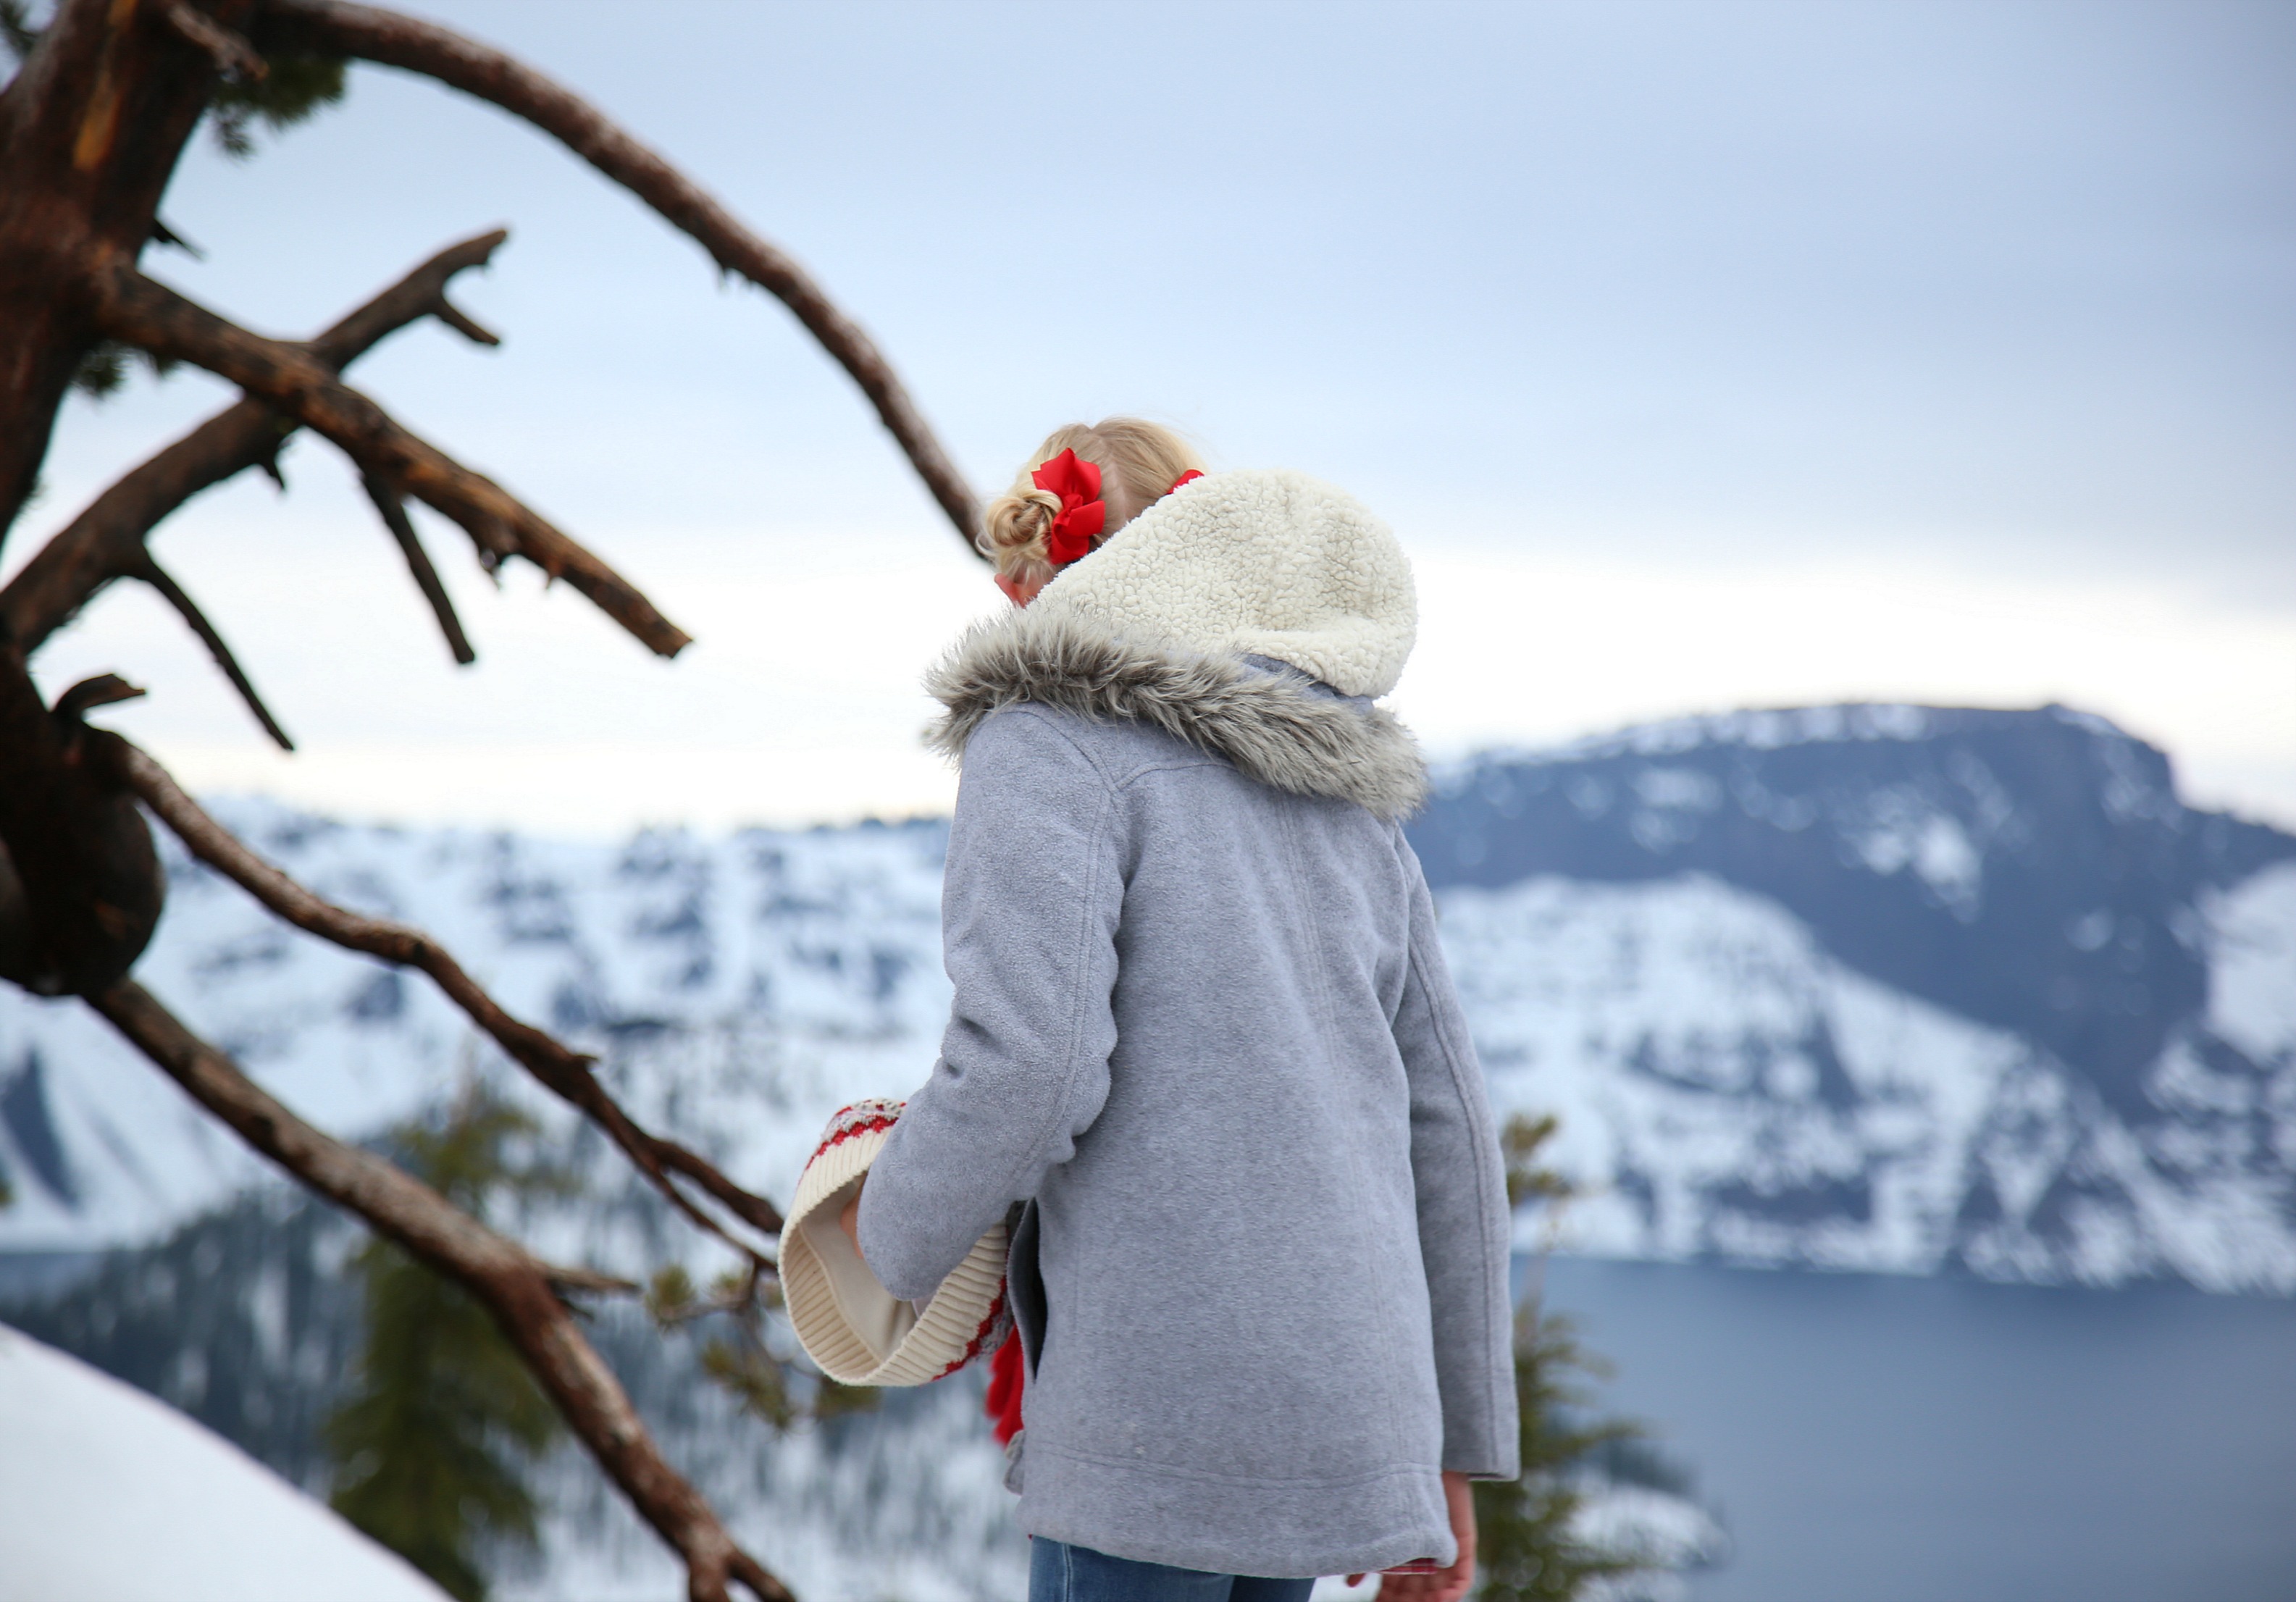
394,40
589,1280
422,292
151,573
393,512
566,1072
463,323
105,542
233,56
152,317
516,1286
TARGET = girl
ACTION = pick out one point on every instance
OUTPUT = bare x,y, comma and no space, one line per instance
1202,1029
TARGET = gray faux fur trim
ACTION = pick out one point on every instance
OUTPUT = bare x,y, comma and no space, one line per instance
1274,728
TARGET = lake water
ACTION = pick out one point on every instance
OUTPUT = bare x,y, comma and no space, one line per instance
1875,1439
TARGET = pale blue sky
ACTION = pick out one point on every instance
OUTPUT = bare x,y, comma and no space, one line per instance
1703,355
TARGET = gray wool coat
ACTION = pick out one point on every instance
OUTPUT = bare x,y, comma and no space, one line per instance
1203,1029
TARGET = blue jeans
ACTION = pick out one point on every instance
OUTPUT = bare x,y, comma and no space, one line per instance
1060,1572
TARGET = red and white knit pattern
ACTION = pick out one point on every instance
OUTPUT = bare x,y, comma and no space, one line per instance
966,1317
866,1117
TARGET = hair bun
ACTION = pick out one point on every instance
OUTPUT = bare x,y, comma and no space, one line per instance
1014,527
1139,463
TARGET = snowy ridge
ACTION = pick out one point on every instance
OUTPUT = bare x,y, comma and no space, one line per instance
1922,991
1739,1079
104,1492
794,973
1726,1090
1757,728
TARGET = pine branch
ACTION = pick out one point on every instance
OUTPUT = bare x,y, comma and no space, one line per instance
292,381
233,56
172,593
566,1072
105,542
367,33
589,1280
515,1285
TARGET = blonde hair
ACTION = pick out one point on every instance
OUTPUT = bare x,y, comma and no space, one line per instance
1137,462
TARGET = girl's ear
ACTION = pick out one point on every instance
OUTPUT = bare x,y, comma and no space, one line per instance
1021,592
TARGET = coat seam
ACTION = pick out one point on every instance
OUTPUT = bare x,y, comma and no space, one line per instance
1394,1471
1040,713
1482,1144
1071,1047
1327,1017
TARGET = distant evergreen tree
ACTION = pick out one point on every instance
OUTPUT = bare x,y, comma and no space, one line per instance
297,88
742,1361
430,1445
1525,1551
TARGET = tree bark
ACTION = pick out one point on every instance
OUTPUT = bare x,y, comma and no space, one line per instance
105,542
90,132
85,888
91,128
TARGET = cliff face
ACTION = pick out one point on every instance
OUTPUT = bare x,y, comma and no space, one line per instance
1889,987
2033,872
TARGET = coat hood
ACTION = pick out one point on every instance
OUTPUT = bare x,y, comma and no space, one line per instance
1250,614
1255,563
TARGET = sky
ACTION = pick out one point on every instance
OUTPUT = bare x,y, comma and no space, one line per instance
1702,356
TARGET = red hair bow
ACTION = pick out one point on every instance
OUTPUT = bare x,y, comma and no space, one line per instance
1190,477
1082,516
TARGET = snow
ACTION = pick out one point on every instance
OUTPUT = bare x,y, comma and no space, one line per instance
1759,729
105,1493
813,954
1671,1533
1904,829
1726,1090
2253,981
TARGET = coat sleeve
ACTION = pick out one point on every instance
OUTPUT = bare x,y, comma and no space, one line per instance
1465,1228
1029,903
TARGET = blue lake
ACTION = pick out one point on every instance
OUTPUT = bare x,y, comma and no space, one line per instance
1874,1439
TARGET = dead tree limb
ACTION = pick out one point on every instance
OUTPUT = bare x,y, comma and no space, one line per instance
105,542
422,293
233,56
149,316
567,1073
91,128
392,509
516,1286
589,1280
390,39
152,573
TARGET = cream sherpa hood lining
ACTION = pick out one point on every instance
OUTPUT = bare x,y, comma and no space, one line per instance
1285,732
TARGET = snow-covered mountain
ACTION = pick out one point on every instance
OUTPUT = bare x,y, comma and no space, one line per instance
1888,988
737,990
1883,988
771,977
